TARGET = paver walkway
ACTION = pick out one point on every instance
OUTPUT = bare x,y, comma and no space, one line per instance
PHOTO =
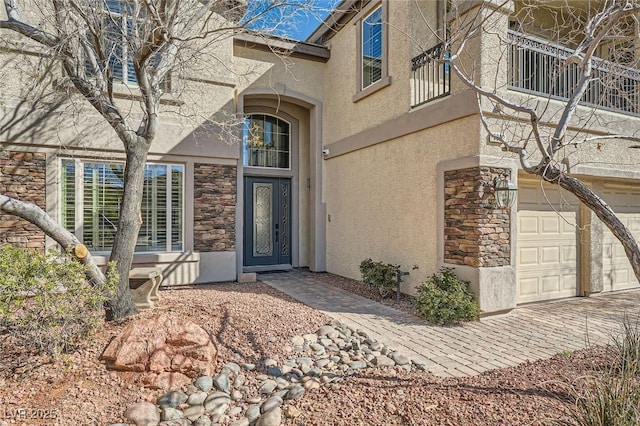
527,333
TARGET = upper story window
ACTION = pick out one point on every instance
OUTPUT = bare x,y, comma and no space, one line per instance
90,198
266,142
372,49
119,26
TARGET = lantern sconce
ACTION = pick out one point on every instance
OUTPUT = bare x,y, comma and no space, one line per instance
504,191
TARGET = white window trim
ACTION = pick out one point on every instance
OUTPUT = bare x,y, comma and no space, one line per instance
385,79
79,198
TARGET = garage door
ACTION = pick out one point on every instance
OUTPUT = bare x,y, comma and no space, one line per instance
616,269
546,246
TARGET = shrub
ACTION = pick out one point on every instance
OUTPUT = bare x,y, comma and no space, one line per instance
627,345
611,396
46,303
607,400
380,276
445,299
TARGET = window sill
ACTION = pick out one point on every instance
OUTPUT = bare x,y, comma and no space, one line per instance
378,85
150,257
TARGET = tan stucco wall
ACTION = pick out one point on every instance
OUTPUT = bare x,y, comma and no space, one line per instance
343,117
382,200
259,69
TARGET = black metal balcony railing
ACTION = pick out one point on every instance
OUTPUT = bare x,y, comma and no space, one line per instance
430,79
539,67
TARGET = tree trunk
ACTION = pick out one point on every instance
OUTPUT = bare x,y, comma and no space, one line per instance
35,215
124,243
602,210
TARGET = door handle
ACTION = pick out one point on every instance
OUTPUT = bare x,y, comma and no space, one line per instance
277,227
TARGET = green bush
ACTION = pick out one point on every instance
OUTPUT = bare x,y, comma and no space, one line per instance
445,299
46,303
380,276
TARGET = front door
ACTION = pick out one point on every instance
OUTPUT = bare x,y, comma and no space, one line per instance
267,221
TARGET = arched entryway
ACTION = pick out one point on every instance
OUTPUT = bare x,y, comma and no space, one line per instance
280,214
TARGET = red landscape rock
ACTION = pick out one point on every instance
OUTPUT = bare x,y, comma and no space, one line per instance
165,350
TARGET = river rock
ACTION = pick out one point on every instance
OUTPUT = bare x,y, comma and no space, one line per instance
172,399
272,417
170,413
399,358
383,361
194,412
204,383
267,386
295,392
143,414
274,401
357,365
221,382
252,413
325,330
197,398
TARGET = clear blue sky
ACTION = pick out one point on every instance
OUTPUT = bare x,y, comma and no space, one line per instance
291,21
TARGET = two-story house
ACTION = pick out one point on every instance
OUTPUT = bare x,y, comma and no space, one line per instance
357,144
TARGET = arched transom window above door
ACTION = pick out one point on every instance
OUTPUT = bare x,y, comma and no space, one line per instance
266,142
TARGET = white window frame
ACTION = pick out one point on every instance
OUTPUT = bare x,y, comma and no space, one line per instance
79,199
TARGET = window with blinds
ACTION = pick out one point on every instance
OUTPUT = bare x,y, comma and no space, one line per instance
118,28
91,194
372,48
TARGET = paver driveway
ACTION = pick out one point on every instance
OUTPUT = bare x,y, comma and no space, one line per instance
527,333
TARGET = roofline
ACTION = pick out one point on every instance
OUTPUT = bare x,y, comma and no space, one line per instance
334,21
297,49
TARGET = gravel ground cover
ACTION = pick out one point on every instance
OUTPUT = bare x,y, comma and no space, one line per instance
252,322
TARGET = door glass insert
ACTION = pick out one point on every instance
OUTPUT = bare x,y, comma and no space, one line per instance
262,219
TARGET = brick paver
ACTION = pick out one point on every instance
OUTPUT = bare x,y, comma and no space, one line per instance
527,333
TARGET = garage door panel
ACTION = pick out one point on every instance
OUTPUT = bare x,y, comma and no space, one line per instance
569,254
529,256
529,286
546,223
528,225
550,255
634,225
550,225
569,284
550,285
546,253
617,273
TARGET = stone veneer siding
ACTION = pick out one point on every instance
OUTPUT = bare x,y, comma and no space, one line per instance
214,210
475,234
22,176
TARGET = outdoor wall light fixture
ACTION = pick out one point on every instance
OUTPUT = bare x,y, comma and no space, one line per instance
504,191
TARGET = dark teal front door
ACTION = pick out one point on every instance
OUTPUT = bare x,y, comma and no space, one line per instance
267,221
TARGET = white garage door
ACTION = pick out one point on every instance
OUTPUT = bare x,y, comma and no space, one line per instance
546,246
616,269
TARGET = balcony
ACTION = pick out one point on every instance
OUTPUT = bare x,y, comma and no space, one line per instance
430,79
539,67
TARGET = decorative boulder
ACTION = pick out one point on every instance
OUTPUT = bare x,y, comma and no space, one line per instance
164,352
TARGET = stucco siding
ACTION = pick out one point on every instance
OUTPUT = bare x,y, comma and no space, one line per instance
382,201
